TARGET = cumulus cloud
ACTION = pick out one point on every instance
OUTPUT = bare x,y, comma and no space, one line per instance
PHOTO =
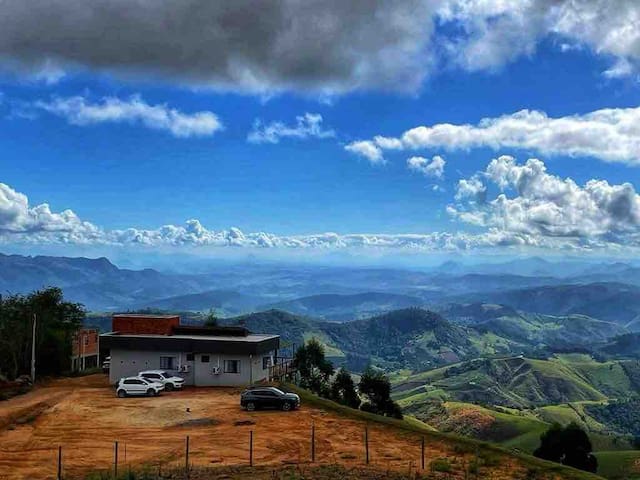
491,33
245,45
433,168
308,125
368,150
611,134
534,203
19,219
79,110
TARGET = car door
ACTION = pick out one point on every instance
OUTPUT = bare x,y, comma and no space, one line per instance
269,399
152,377
141,387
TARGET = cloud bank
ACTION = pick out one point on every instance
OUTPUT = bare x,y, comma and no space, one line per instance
332,46
508,205
611,134
78,110
252,46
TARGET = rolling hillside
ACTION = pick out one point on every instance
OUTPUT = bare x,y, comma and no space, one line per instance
519,382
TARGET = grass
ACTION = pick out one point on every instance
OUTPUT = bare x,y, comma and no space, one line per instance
619,465
485,449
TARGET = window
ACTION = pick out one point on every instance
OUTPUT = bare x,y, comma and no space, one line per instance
267,393
86,341
232,366
167,363
204,358
190,357
266,362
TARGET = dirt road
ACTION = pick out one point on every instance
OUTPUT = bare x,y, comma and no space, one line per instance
84,416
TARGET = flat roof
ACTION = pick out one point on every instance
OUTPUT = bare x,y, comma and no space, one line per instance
143,315
251,338
251,344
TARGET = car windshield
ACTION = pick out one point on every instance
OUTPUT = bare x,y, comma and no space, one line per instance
165,375
277,390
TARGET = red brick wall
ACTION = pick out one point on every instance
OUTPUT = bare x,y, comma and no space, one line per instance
149,324
88,337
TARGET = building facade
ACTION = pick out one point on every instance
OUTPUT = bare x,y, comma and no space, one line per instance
85,349
203,356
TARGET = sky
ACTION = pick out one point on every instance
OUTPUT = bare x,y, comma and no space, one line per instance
289,127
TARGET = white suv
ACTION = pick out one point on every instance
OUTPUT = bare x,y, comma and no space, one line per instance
138,386
170,382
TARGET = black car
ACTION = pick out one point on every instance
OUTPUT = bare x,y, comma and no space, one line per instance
268,397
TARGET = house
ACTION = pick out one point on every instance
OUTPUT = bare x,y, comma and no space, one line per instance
203,356
85,349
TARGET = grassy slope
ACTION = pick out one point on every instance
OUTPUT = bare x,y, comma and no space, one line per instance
414,425
619,465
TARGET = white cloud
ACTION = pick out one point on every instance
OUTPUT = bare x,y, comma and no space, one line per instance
611,134
308,125
534,203
78,110
491,33
429,168
367,149
19,219
544,211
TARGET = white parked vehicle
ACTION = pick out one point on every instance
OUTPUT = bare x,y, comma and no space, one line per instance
170,382
138,386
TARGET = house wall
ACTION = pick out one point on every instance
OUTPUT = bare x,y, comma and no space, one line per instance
125,363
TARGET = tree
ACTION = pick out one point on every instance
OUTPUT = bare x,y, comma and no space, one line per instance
343,390
377,388
568,445
314,369
57,321
211,320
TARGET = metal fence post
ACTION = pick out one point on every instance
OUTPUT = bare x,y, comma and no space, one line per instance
186,458
60,462
313,442
366,444
115,460
251,448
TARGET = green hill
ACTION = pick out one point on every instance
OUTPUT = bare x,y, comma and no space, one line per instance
522,382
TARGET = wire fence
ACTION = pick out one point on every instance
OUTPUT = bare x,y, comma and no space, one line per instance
415,460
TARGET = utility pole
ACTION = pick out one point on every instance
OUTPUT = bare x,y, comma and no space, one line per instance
33,351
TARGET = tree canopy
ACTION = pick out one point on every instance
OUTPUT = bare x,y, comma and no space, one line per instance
568,445
343,390
315,370
57,320
376,387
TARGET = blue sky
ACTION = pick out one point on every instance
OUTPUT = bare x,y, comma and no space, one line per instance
129,174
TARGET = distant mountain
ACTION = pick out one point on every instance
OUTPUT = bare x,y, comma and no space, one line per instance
342,308
613,302
95,282
533,329
224,302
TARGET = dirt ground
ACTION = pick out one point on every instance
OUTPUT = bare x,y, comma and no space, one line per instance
84,416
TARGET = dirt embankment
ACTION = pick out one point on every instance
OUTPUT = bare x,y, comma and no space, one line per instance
84,416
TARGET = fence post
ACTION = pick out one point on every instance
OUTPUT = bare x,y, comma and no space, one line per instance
251,448
186,459
60,462
366,443
313,442
115,460
422,453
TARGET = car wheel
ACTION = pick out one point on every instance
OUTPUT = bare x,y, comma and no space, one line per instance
168,387
150,392
251,407
286,406
122,394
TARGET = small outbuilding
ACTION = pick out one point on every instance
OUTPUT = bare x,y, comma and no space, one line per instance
203,356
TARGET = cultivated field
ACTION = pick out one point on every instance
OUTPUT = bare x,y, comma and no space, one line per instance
84,416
